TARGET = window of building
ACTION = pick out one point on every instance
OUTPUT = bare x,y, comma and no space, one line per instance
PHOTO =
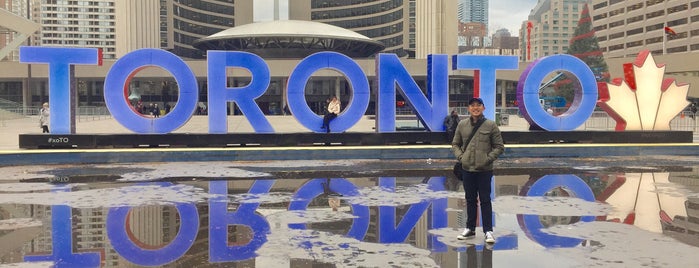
654,27
634,44
634,19
653,2
655,14
599,5
600,16
616,35
681,21
677,49
616,24
654,40
679,8
679,35
634,31
634,7
616,47
616,12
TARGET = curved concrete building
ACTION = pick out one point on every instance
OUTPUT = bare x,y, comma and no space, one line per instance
385,21
290,39
192,20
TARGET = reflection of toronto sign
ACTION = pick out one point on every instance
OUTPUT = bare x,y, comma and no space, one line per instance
220,216
390,72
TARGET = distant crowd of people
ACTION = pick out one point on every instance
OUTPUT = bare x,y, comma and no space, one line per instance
152,109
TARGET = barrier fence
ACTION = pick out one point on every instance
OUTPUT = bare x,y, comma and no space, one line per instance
599,120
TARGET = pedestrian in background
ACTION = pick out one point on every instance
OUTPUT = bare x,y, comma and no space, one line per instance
44,117
450,123
477,143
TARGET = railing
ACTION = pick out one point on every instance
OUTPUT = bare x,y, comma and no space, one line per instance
92,113
83,113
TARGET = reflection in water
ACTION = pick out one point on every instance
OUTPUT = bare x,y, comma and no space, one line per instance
587,219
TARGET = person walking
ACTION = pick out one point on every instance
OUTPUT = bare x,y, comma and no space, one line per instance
333,111
477,143
44,117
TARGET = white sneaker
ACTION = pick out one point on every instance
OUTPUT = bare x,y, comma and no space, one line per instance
466,234
489,238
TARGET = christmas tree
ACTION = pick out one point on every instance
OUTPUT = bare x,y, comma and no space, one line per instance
584,46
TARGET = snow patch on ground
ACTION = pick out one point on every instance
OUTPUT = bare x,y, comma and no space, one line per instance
622,245
18,223
137,195
550,206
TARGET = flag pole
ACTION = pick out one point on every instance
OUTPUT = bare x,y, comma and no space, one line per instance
664,39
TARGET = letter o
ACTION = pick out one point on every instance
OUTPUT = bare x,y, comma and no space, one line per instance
125,246
531,223
356,107
116,90
528,93
314,188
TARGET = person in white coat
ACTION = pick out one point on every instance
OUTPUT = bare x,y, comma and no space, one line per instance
44,117
333,111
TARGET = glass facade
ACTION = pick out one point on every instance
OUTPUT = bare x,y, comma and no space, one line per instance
193,20
384,21
79,24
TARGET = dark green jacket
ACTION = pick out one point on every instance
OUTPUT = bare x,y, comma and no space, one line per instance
484,148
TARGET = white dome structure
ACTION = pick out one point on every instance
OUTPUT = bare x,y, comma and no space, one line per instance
290,39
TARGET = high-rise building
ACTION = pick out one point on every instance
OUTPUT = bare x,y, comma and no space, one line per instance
626,27
549,28
473,11
78,24
435,25
136,24
385,21
7,37
188,21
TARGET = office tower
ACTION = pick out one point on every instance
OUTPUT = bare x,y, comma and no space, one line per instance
188,21
78,24
137,25
473,11
17,8
549,28
435,27
626,27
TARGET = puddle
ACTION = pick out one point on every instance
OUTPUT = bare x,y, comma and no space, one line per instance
215,214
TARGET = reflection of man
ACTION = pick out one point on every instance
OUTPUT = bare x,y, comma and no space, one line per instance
477,150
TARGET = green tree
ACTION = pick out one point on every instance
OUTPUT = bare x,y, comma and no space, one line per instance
584,46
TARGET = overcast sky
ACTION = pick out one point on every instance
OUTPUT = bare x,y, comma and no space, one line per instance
507,14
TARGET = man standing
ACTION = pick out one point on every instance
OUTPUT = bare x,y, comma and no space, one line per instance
477,143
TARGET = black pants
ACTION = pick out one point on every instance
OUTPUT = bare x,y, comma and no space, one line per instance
477,185
45,129
326,121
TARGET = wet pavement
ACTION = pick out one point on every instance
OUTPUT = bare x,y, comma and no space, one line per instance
548,212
